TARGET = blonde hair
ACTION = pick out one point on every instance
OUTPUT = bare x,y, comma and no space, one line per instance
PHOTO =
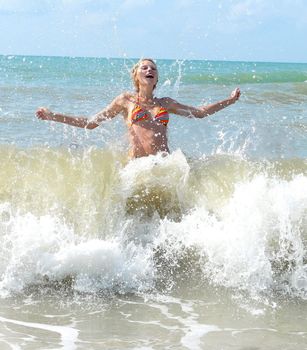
134,71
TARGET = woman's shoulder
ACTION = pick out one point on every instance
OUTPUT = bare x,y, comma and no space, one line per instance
166,101
126,97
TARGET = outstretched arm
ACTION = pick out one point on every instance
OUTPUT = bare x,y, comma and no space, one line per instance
203,111
114,108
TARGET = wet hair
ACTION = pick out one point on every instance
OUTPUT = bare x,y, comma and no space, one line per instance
134,71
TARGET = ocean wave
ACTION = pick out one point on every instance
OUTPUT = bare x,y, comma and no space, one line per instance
91,218
250,77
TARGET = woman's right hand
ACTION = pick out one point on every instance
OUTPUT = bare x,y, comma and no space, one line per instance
44,114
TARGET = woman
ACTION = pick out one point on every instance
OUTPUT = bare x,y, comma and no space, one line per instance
146,116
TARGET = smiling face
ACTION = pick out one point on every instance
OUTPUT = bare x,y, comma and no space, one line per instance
145,73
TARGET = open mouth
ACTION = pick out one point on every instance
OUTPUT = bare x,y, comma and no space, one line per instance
150,76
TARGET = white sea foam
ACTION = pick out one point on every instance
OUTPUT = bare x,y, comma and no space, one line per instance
37,250
68,334
161,170
255,241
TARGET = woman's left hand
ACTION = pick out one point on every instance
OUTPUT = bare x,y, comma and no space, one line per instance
235,95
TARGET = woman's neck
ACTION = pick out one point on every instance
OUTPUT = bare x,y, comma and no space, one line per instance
145,95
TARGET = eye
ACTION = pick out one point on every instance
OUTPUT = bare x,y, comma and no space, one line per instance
145,67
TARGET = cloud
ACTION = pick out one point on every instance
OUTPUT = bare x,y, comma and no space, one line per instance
243,10
88,5
131,4
245,16
46,6
24,7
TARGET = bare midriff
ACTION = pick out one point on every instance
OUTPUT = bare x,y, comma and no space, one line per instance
147,138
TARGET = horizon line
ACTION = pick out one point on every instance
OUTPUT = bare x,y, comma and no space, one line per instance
158,58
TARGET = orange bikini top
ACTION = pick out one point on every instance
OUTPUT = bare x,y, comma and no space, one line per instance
138,114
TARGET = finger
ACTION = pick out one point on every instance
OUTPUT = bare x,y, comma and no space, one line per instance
40,114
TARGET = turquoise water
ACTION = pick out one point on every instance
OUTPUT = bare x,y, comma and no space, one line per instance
204,248
269,121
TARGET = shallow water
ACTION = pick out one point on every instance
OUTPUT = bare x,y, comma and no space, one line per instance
195,320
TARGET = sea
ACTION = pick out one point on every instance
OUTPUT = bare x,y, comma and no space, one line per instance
205,248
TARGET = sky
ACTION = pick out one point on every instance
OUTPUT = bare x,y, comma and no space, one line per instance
240,30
